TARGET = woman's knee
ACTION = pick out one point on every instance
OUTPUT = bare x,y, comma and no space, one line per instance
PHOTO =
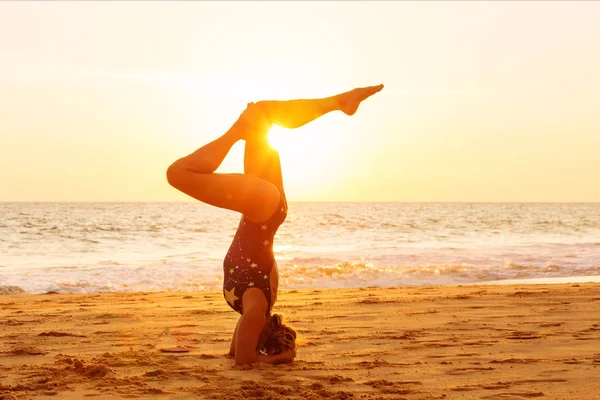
175,173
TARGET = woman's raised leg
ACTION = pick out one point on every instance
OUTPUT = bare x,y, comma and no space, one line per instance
295,113
256,193
260,159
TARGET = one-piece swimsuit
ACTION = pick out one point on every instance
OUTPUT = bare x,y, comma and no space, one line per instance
250,258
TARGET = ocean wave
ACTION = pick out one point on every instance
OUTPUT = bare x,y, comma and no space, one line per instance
129,247
111,276
358,274
11,290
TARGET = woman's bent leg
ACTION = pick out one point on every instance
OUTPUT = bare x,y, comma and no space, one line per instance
249,194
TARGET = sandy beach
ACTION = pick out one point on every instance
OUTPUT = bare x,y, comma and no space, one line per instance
426,342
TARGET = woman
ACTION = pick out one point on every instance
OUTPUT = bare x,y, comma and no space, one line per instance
250,272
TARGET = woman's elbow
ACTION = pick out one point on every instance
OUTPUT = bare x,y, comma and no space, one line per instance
245,359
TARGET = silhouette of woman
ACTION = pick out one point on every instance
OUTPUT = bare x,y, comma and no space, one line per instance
250,272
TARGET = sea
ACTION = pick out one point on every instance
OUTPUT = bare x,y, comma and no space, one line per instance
133,247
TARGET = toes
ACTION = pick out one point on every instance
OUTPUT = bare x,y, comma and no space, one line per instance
375,89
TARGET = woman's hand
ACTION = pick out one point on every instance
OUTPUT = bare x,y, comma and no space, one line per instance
287,356
281,358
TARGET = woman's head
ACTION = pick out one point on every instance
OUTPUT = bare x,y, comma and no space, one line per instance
276,337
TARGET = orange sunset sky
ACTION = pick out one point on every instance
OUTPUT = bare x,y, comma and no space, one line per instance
484,101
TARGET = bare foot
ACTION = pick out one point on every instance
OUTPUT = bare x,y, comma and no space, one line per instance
350,101
252,122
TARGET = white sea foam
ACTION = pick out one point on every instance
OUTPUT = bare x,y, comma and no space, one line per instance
158,247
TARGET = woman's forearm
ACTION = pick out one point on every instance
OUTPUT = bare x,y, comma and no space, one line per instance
270,359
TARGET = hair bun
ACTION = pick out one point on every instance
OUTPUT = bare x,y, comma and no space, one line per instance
277,338
276,320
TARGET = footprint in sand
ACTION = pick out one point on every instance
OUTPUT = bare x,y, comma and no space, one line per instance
176,349
60,334
466,371
516,335
516,361
387,387
509,395
332,379
25,351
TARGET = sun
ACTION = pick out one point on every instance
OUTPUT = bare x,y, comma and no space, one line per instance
279,137
309,156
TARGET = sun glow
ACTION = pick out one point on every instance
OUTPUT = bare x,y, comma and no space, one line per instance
309,160
279,137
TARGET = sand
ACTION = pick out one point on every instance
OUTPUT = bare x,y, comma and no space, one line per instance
436,342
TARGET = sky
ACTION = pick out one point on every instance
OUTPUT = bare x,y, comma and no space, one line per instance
483,101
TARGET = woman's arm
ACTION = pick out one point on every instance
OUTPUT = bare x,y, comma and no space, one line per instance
232,346
250,326
283,358
248,331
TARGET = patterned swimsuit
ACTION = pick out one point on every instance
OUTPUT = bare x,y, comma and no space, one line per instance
250,258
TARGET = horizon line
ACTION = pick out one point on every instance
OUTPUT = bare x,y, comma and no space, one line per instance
302,201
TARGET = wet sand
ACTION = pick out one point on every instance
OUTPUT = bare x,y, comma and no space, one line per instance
434,342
